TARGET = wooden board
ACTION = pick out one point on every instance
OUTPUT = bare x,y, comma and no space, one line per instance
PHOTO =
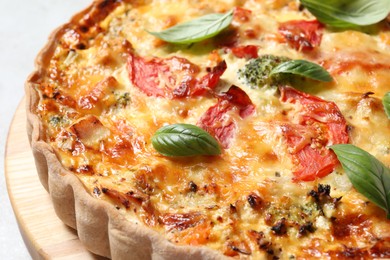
45,236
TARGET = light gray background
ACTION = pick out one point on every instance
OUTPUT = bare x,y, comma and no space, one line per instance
24,28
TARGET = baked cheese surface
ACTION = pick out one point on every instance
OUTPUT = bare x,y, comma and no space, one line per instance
110,85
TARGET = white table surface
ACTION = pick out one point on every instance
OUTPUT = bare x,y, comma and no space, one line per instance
24,28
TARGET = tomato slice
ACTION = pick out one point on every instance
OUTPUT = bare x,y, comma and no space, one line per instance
209,81
159,77
247,51
217,121
302,35
319,124
172,77
238,98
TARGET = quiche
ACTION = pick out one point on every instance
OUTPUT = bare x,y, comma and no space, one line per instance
213,129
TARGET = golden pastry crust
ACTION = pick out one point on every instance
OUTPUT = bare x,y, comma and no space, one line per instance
231,210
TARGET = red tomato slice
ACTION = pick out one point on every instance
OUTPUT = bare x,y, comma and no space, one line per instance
213,121
159,77
240,99
209,81
217,121
173,77
247,52
302,35
320,124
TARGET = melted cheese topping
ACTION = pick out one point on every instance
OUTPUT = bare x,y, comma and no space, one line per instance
244,202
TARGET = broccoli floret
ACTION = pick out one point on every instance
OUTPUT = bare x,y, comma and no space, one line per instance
256,72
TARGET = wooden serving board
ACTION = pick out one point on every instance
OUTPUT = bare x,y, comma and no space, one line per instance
45,236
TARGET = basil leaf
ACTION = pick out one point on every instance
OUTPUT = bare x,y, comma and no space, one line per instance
368,175
196,30
303,68
347,13
184,140
386,104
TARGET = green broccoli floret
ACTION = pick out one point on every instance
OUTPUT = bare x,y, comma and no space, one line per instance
256,72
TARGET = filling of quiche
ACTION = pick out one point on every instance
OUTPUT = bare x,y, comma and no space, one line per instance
276,189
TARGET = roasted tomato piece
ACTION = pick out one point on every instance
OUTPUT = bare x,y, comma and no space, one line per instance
159,77
172,77
219,122
247,51
208,81
238,98
302,35
320,124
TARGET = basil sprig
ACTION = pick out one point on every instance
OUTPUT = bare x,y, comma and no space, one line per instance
184,140
348,13
368,175
196,30
303,68
386,103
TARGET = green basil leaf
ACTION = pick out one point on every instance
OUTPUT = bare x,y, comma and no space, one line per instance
347,13
303,68
368,175
196,30
184,140
386,104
